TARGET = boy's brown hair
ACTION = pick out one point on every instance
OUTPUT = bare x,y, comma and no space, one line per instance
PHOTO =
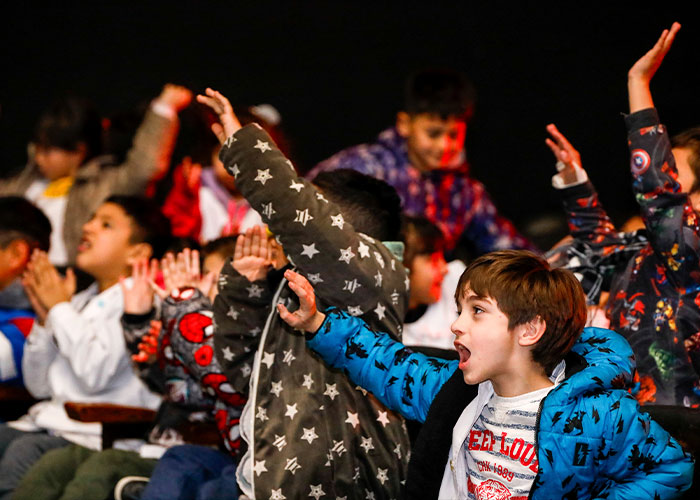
524,286
690,139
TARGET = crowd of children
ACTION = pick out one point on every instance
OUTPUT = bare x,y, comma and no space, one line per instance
275,311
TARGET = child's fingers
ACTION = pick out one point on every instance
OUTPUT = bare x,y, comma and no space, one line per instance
238,250
286,316
219,132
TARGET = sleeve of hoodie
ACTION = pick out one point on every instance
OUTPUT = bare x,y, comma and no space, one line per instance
241,309
39,352
401,379
673,227
346,267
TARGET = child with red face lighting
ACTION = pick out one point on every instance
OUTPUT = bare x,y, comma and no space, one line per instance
431,309
424,159
533,408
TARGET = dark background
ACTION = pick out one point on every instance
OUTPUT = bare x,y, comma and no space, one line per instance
335,71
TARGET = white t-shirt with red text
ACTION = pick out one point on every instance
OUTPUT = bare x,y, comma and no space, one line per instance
500,449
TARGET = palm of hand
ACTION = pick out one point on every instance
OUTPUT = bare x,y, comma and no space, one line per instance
252,267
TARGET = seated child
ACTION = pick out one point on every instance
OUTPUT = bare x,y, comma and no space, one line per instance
550,417
23,228
195,390
68,178
652,275
431,309
423,158
76,349
309,431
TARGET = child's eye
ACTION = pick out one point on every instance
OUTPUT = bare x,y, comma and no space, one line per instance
477,310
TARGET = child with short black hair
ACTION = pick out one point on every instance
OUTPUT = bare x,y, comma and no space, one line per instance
67,175
76,349
550,417
423,158
23,228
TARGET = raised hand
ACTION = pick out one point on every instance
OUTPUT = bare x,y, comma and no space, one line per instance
176,96
253,255
183,271
222,107
148,347
45,285
139,298
568,158
640,74
307,317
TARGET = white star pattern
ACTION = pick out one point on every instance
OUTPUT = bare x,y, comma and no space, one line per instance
369,495
291,165
395,297
367,444
309,250
262,414
354,311
309,434
291,411
263,146
276,388
267,210
277,495
397,450
230,140
407,282
303,216
361,389
232,313
235,171
223,280
356,476
339,447
383,419
393,265
379,310
292,465
245,370
268,359
382,475
379,258
315,278
378,278
280,442
346,255
316,491
320,197
308,381
259,467
255,331
338,221
363,250
254,291
263,176
297,186
228,354
351,286
352,419
288,357
331,391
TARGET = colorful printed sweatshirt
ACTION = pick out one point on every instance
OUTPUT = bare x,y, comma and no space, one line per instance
653,275
194,384
450,198
310,432
593,442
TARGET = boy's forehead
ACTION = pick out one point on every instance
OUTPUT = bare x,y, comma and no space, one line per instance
434,119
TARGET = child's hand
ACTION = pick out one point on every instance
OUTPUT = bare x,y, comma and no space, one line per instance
148,347
568,159
183,271
639,76
139,298
252,257
220,105
645,68
176,96
44,282
307,317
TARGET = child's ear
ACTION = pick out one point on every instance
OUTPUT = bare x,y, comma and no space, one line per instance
18,253
694,198
137,252
403,123
532,332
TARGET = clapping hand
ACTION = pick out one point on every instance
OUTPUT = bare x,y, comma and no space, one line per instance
45,287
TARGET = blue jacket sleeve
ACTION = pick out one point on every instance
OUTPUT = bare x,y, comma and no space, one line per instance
648,462
402,380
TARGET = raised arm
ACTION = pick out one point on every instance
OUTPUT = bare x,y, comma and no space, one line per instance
640,75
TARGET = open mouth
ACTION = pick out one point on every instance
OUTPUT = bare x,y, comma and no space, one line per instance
84,245
464,355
